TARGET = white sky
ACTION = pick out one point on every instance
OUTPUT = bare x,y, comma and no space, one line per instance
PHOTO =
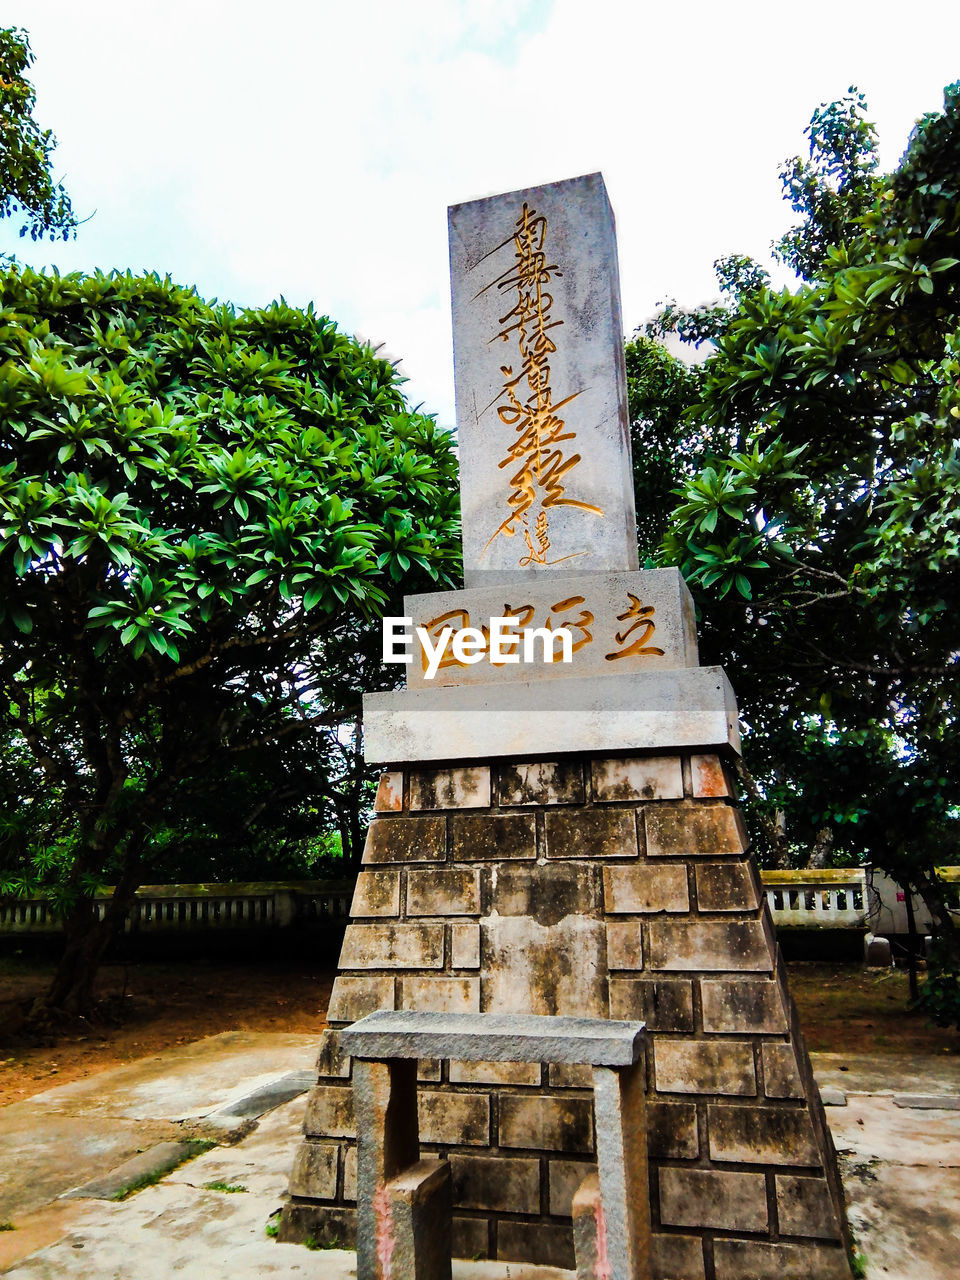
310,148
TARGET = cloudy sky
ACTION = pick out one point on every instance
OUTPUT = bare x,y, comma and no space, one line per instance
310,148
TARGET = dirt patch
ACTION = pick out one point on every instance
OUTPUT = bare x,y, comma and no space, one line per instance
146,1008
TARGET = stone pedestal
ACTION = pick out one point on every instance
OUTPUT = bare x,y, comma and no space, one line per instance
598,885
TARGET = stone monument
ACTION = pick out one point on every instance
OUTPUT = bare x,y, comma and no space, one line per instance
563,838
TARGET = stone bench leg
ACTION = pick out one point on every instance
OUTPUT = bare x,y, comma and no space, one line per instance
590,1231
622,1213
414,1223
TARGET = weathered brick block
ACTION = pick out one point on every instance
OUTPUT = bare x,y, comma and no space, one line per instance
441,994
470,1238
704,1066
748,1005
709,777
735,1259
805,1208
505,1184
565,1176
480,837
329,1112
530,968
350,1173
495,1072
377,894
546,1124
392,946
389,793
456,1119
781,1078
762,1135
625,944
591,833
639,778
465,788
570,1075
682,830
710,945
315,1170
544,783
704,1198
672,1130
354,996
664,1004
330,1061
543,1244
676,1258
645,888
726,886
405,839
465,946
546,894
453,892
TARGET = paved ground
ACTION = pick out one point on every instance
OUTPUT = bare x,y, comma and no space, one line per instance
901,1168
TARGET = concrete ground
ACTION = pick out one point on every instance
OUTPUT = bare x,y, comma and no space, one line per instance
898,1135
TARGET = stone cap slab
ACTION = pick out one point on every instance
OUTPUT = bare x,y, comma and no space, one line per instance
686,708
494,1037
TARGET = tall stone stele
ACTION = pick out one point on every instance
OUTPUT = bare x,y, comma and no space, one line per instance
564,838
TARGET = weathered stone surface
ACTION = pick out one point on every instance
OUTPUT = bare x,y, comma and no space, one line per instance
494,1037
413,1231
545,782
831,1097
568,889
354,996
927,1101
471,1238
735,1259
676,1258
392,946
804,1208
329,1112
456,1119
704,1198
389,793
315,1170
569,1075
467,788
591,833
709,945
589,1230
465,946
350,1173
729,886
332,1226
877,952
645,888
482,837
534,968
625,944
385,1102
509,1184
662,711
679,831
730,1005
619,1100
546,1124
565,1176
448,892
544,1243
781,1078
330,1061
441,994
377,894
663,1004
709,777
494,1072
672,1130
404,839
762,1135
704,1066
637,778
571,224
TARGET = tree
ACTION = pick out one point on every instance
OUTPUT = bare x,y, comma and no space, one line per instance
202,513
821,530
27,186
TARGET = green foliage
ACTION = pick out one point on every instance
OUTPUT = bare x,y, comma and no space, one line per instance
228,1188
203,513
27,187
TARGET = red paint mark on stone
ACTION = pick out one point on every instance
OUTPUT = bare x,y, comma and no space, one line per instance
604,1271
384,1228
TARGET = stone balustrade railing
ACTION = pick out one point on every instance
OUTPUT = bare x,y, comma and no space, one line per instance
835,899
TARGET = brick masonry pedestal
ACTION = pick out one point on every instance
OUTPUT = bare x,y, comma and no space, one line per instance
593,886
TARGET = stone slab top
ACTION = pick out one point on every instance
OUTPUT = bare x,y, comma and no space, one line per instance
494,1037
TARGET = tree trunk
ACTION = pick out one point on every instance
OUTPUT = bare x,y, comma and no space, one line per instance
87,938
775,834
821,848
